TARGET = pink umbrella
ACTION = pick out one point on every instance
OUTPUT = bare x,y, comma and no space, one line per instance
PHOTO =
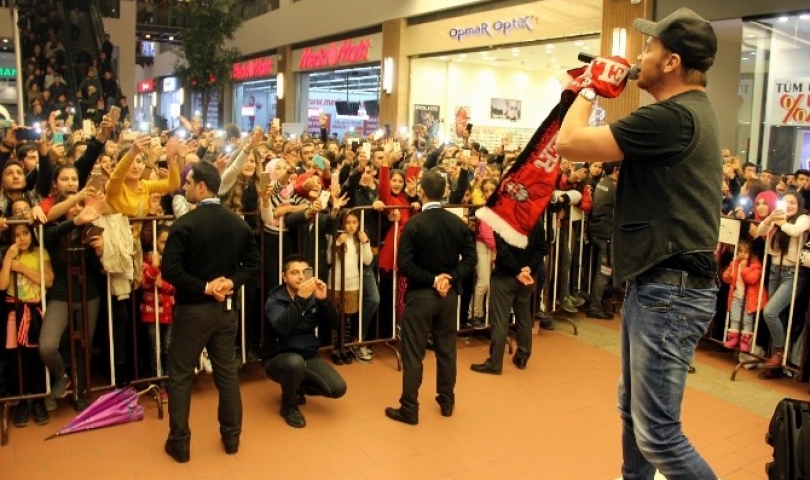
112,408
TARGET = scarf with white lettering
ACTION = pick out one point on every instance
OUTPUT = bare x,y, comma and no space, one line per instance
526,189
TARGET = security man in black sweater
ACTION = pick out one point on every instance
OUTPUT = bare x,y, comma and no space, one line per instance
210,253
429,252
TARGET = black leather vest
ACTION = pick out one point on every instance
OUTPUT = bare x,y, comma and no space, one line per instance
670,207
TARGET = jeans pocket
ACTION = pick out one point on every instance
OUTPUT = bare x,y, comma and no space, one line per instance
691,330
654,297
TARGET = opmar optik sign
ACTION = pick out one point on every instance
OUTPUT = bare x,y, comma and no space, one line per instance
498,27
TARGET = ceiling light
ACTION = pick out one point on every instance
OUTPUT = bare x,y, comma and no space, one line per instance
579,43
750,35
171,38
515,54
745,58
5,40
804,16
783,19
586,48
443,57
549,46
148,36
484,54
515,50
463,55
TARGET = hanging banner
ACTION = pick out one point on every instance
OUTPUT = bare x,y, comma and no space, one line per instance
462,119
790,102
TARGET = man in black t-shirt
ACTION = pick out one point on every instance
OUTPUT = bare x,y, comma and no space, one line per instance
667,218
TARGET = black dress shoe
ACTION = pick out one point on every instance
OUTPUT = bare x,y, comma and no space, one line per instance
337,358
599,314
231,444
347,357
484,368
547,325
177,455
519,362
401,416
446,407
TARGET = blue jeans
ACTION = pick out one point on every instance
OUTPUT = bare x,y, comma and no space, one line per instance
780,291
739,316
661,325
371,298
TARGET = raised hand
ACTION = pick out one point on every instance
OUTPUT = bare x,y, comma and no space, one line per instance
141,144
320,289
307,288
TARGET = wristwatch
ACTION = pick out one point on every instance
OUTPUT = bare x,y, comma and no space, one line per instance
588,94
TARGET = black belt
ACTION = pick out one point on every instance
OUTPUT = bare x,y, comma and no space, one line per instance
676,278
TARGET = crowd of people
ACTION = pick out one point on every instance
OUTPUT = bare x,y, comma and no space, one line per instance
362,197
772,208
45,63
280,186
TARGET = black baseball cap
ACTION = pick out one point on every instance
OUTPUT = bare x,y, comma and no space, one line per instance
686,33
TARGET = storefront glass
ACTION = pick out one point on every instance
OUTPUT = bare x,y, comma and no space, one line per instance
504,91
773,126
8,84
348,97
254,103
143,106
341,80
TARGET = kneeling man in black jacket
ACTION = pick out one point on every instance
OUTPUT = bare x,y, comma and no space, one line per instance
294,310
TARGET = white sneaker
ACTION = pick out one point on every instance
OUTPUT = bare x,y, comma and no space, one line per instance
206,363
361,354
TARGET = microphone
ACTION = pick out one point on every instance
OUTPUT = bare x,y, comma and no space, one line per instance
585,57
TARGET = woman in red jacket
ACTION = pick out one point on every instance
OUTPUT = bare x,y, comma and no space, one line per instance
392,192
745,296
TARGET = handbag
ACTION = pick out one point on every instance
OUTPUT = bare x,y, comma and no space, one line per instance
804,256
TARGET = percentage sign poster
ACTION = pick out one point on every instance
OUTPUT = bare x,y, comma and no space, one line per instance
790,102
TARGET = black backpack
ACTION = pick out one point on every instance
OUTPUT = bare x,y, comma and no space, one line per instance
789,435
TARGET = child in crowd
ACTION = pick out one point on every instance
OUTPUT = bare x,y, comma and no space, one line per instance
152,280
485,247
745,296
352,246
21,278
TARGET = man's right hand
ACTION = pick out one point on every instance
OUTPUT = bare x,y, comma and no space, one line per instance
442,284
607,76
307,288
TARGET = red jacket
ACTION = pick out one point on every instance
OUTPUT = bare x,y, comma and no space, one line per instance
387,257
166,300
586,190
751,276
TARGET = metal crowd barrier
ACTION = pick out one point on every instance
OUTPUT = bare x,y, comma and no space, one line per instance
548,291
731,232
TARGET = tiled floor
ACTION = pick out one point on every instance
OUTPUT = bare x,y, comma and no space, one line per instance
555,420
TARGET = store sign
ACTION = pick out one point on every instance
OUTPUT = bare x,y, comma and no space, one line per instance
255,68
334,54
169,84
498,27
8,72
790,102
146,86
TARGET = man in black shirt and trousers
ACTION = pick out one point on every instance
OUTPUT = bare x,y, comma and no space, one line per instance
210,253
429,252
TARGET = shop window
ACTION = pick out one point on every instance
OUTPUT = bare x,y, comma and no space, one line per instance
773,121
